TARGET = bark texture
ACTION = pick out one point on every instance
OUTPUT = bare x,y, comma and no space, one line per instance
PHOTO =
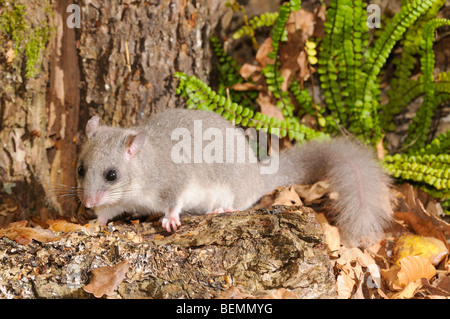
24,138
119,65
257,252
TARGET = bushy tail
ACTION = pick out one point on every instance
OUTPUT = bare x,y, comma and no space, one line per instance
363,209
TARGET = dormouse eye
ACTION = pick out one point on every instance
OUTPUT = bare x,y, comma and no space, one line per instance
81,171
111,175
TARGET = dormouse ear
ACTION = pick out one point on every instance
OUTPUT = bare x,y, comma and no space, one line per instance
92,126
134,144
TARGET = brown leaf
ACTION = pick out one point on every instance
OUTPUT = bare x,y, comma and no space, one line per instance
313,192
414,214
107,279
287,196
248,69
301,20
64,226
439,287
10,54
281,293
261,54
411,269
24,235
415,267
331,233
267,107
302,61
409,291
246,86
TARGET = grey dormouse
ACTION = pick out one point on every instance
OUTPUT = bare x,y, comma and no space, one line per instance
159,167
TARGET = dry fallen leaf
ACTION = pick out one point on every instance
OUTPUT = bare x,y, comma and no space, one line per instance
418,218
409,291
248,69
107,279
246,86
267,107
350,272
302,61
19,232
235,293
281,293
331,233
356,268
303,20
345,282
287,196
64,226
10,54
416,245
261,54
411,269
310,193
440,287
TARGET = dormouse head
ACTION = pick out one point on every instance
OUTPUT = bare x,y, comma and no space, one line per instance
104,165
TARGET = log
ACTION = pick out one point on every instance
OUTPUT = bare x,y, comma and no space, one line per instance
257,252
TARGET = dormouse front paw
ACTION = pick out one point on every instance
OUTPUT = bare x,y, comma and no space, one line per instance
171,222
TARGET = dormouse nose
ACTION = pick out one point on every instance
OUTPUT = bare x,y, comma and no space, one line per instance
93,199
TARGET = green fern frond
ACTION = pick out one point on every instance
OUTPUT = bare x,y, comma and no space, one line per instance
229,75
264,20
303,98
420,126
368,96
328,69
271,72
410,90
443,83
405,63
274,81
279,32
439,145
430,169
200,96
228,66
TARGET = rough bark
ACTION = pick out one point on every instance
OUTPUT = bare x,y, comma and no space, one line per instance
118,65
23,118
258,252
130,51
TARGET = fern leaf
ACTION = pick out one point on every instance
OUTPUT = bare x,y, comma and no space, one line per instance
368,95
430,169
443,83
264,20
420,126
200,96
405,63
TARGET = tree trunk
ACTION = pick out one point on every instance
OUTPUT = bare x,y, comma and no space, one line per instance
119,65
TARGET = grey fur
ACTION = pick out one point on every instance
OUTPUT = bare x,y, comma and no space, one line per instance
151,182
